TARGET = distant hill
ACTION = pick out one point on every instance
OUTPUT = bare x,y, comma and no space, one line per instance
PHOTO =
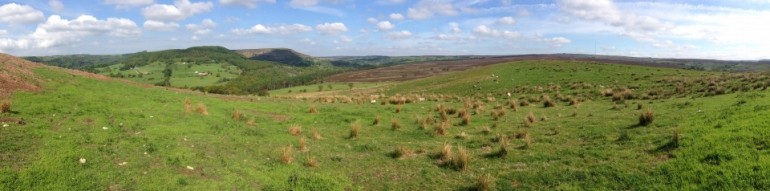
280,55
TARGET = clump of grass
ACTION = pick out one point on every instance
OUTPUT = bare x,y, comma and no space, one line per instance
251,122
512,104
462,135
302,144
524,103
312,109
462,112
485,182
187,105
376,120
547,102
295,130
460,161
354,130
237,115
202,109
675,139
503,150
311,162
646,118
544,118
5,107
395,124
639,106
441,129
445,154
287,155
531,117
398,108
527,141
402,152
574,114
466,120
486,130
444,116
574,102
316,135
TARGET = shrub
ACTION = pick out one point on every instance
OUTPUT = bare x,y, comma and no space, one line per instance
646,118
354,129
295,130
312,109
237,115
202,109
286,155
485,182
395,124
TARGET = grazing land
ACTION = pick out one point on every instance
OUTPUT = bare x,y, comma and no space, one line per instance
566,125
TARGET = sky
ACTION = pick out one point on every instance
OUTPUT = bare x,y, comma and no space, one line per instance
712,29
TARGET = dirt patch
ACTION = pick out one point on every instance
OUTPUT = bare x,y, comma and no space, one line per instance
16,74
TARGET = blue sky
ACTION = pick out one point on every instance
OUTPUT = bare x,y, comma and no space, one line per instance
720,29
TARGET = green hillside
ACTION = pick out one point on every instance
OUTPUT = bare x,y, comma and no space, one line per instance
705,131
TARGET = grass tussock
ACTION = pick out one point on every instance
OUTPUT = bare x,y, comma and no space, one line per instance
402,152
316,135
398,108
466,120
486,130
376,120
441,128
5,107
527,141
445,154
547,102
574,102
302,144
485,182
312,109
251,122
531,118
462,135
395,124
675,139
201,109
646,118
513,105
524,103
460,161
287,155
187,105
237,115
295,130
311,162
354,130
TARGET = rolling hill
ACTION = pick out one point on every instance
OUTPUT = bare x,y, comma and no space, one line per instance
280,55
585,126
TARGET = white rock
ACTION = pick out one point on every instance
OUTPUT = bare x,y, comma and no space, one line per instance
373,101
190,168
105,128
123,163
5,125
82,161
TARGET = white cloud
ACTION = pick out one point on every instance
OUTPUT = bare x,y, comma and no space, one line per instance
204,28
20,14
345,39
246,3
396,16
160,26
270,30
427,8
483,30
128,3
371,20
506,21
331,28
455,28
304,3
607,12
57,31
56,5
399,35
182,9
385,26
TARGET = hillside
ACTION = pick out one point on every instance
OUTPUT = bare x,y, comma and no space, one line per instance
280,55
703,130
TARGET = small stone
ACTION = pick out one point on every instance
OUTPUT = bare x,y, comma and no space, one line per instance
190,168
82,161
123,163
105,128
5,125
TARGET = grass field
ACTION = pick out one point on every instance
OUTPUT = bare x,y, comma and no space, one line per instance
88,134
184,74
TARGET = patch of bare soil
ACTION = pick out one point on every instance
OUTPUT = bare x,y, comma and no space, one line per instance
16,74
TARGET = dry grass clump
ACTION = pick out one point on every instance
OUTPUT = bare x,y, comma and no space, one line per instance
287,155
395,124
316,135
486,130
202,109
462,135
237,115
675,139
524,103
531,117
646,118
354,130
544,118
398,108
574,102
251,122
547,102
441,129
460,161
295,130
402,152
461,113
445,154
187,105
466,120
527,141
5,107
485,182
311,162
312,109
512,104
497,114
376,120
302,144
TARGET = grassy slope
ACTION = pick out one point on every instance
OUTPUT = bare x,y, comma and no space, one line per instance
721,147
183,76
